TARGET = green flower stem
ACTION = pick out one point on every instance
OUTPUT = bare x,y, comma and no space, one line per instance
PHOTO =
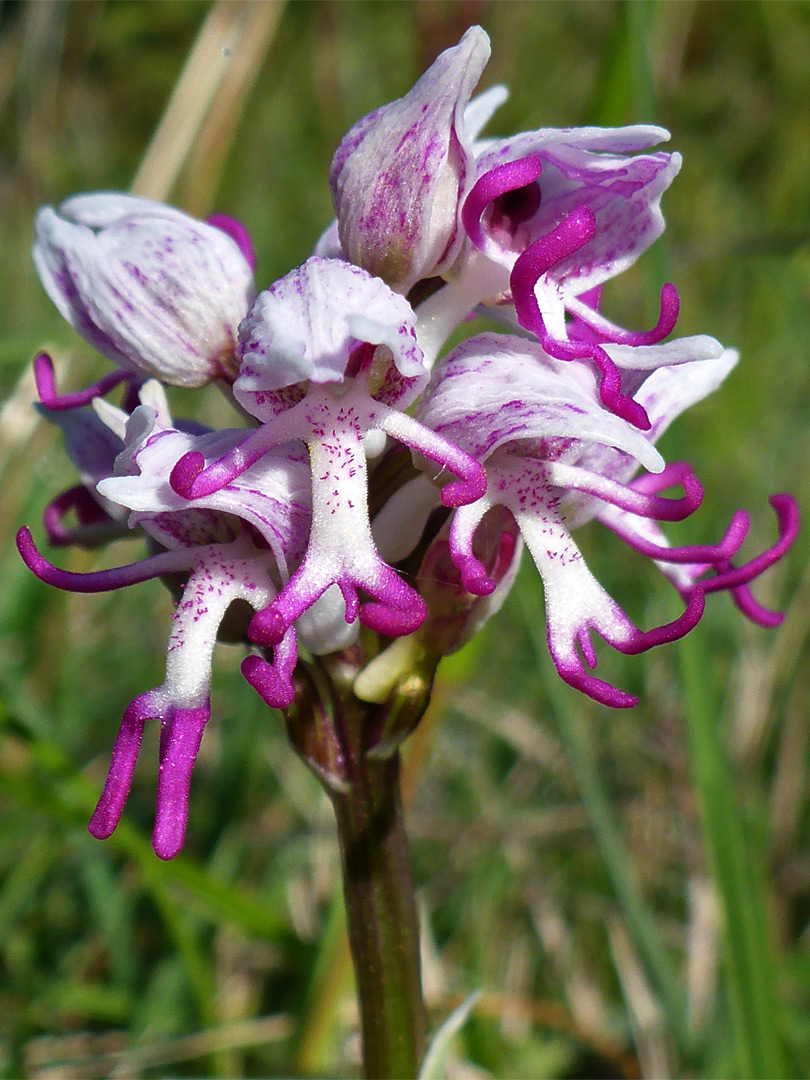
381,913
352,746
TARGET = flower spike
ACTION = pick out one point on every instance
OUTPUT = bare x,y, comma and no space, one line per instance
373,479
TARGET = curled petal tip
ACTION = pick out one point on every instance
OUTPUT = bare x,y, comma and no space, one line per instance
581,224
25,546
44,378
478,584
630,410
101,828
787,511
594,688
462,493
391,623
168,847
274,687
267,627
185,472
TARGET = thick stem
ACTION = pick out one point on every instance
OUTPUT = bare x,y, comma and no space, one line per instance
383,930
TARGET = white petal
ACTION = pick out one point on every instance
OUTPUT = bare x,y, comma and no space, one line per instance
323,628
482,108
308,324
153,289
495,389
400,173
670,391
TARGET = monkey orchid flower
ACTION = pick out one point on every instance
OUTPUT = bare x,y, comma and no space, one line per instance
400,174
329,356
556,459
154,290
536,222
233,545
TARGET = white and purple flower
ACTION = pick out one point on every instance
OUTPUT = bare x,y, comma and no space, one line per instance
154,290
367,478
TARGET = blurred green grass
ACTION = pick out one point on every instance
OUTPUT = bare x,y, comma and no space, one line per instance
229,962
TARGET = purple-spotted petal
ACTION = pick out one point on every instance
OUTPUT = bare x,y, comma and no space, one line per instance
219,576
310,324
590,167
272,495
496,388
576,604
152,289
399,175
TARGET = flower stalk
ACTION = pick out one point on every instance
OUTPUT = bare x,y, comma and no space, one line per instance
352,747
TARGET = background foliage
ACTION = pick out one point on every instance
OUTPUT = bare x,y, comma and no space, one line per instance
630,891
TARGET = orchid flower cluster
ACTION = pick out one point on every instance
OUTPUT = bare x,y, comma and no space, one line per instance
370,476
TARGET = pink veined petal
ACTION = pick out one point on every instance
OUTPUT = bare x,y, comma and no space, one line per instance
580,167
669,391
494,389
152,289
271,493
308,324
399,175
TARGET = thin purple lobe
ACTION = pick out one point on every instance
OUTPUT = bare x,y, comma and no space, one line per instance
124,757
495,184
238,232
87,510
45,381
167,562
573,232
273,686
180,740
787,517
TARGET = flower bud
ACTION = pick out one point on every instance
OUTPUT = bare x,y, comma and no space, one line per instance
400,174
151,288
